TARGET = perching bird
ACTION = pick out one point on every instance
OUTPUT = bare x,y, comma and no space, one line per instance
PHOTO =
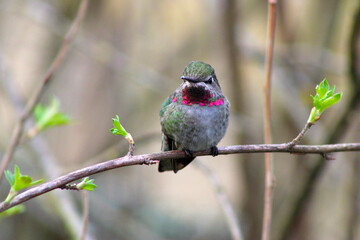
194,117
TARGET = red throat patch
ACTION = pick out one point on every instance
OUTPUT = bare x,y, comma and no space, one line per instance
198,95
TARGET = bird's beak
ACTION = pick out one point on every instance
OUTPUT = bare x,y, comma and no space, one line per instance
193,80
189,79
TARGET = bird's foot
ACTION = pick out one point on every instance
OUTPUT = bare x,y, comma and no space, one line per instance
214,151
188,153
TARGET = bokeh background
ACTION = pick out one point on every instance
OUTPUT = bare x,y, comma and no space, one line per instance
127,57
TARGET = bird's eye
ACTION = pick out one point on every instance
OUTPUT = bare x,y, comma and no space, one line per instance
210,80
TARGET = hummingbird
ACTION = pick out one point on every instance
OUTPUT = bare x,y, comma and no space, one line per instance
194,117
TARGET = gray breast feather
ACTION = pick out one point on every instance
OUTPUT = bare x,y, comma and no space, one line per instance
199,128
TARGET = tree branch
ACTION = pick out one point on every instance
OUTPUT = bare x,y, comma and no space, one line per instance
16,135
155,157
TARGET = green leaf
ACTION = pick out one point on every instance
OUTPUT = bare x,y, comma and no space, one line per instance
324,85
38,112
115,131
89,187
23,182
10,177
19,181
332,90
116,122
331,101
323,99
337,97
17,173
36,182
118,128
86,184
49,116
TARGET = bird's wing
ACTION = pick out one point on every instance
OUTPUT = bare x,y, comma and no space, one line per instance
167,145
167,101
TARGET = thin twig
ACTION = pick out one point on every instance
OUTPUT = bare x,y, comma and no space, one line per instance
301,134
85,214
269,171
16,135
224,201
155,157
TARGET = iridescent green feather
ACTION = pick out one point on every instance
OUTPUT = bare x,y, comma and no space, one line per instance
200,70
165,104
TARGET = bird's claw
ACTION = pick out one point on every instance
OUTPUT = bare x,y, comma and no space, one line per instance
214,151
188,153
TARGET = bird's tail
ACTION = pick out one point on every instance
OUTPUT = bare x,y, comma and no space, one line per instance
174,164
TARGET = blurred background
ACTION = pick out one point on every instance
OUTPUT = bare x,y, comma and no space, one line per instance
127,57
